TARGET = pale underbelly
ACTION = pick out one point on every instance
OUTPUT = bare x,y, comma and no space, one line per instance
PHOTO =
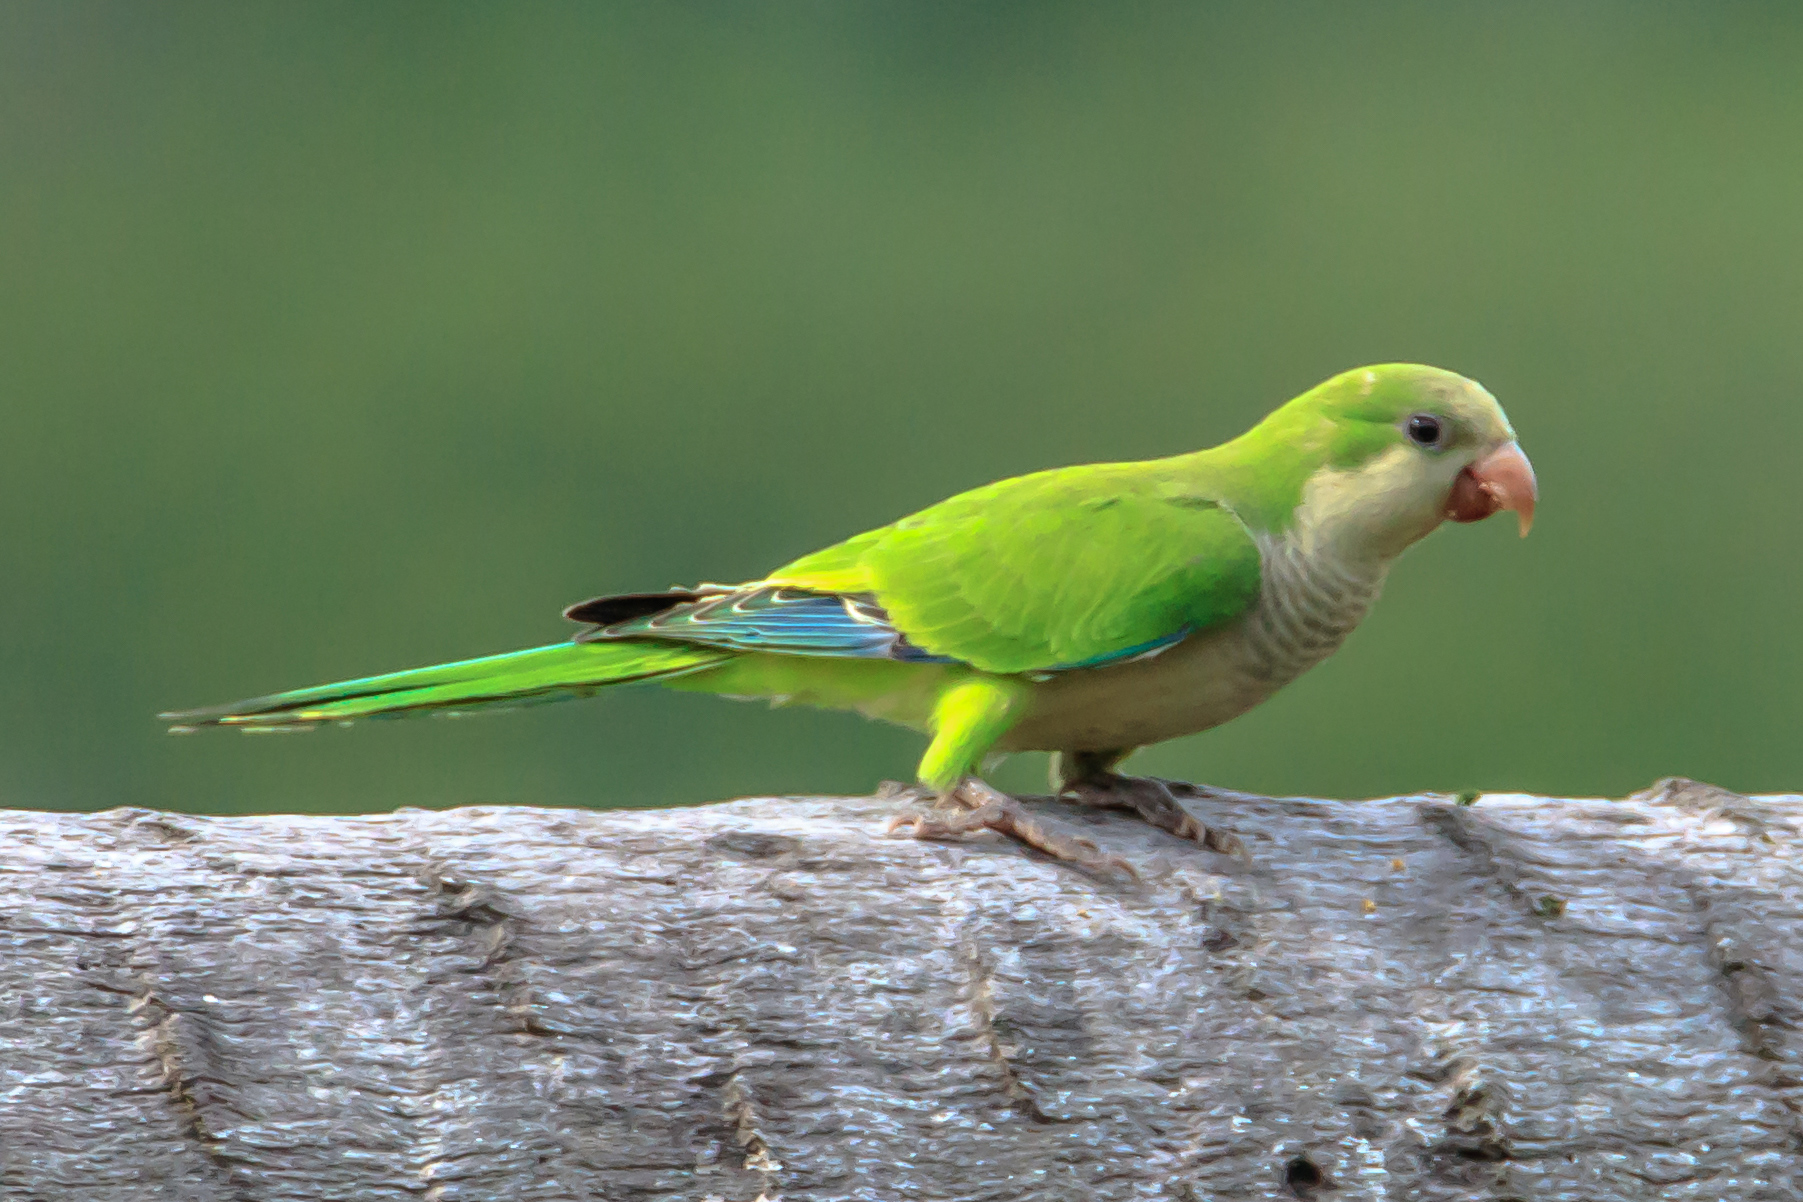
1200,683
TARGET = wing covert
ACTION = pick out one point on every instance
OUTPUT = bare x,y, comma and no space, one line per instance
1058,570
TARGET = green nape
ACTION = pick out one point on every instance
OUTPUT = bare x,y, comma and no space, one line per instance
553,673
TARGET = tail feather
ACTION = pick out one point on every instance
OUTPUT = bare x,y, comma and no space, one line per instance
540,674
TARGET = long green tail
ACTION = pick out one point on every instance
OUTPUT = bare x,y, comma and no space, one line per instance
540,674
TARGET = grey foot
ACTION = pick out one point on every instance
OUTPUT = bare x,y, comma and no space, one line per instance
1155,801
975,806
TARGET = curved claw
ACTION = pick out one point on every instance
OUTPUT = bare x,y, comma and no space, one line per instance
984,808
1155,801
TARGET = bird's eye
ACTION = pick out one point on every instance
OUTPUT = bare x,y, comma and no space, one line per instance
1424,430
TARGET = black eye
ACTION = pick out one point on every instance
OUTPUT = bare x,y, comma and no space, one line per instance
1424,429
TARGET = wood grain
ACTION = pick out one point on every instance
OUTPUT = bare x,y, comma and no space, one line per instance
1524,998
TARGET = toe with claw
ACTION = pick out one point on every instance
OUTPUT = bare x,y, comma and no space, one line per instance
972,805
1155,801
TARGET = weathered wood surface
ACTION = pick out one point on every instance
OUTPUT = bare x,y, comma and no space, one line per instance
1406,999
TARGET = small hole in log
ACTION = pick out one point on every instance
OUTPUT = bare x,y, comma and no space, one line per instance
752,845
1304,1177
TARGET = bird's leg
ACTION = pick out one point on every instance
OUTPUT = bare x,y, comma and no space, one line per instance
1089,777
972,805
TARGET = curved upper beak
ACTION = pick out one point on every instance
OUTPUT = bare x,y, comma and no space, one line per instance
1503,479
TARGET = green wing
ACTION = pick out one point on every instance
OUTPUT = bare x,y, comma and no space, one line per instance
1062,569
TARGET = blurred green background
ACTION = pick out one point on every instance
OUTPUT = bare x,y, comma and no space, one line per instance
341,337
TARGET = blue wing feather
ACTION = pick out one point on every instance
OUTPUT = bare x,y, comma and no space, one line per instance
792,621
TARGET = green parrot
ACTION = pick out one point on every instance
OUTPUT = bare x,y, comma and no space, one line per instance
1086,611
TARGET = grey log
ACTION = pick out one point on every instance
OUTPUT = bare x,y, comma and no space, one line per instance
1407,999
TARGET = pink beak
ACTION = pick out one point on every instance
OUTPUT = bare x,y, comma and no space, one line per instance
1503,479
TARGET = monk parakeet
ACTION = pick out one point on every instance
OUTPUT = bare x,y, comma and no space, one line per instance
1085,611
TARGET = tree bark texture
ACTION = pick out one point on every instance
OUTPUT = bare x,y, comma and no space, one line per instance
1522,998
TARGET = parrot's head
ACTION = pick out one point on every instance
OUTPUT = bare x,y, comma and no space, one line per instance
1391,451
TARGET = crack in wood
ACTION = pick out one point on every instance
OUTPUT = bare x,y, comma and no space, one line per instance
741,1111
989,1031
163,1038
